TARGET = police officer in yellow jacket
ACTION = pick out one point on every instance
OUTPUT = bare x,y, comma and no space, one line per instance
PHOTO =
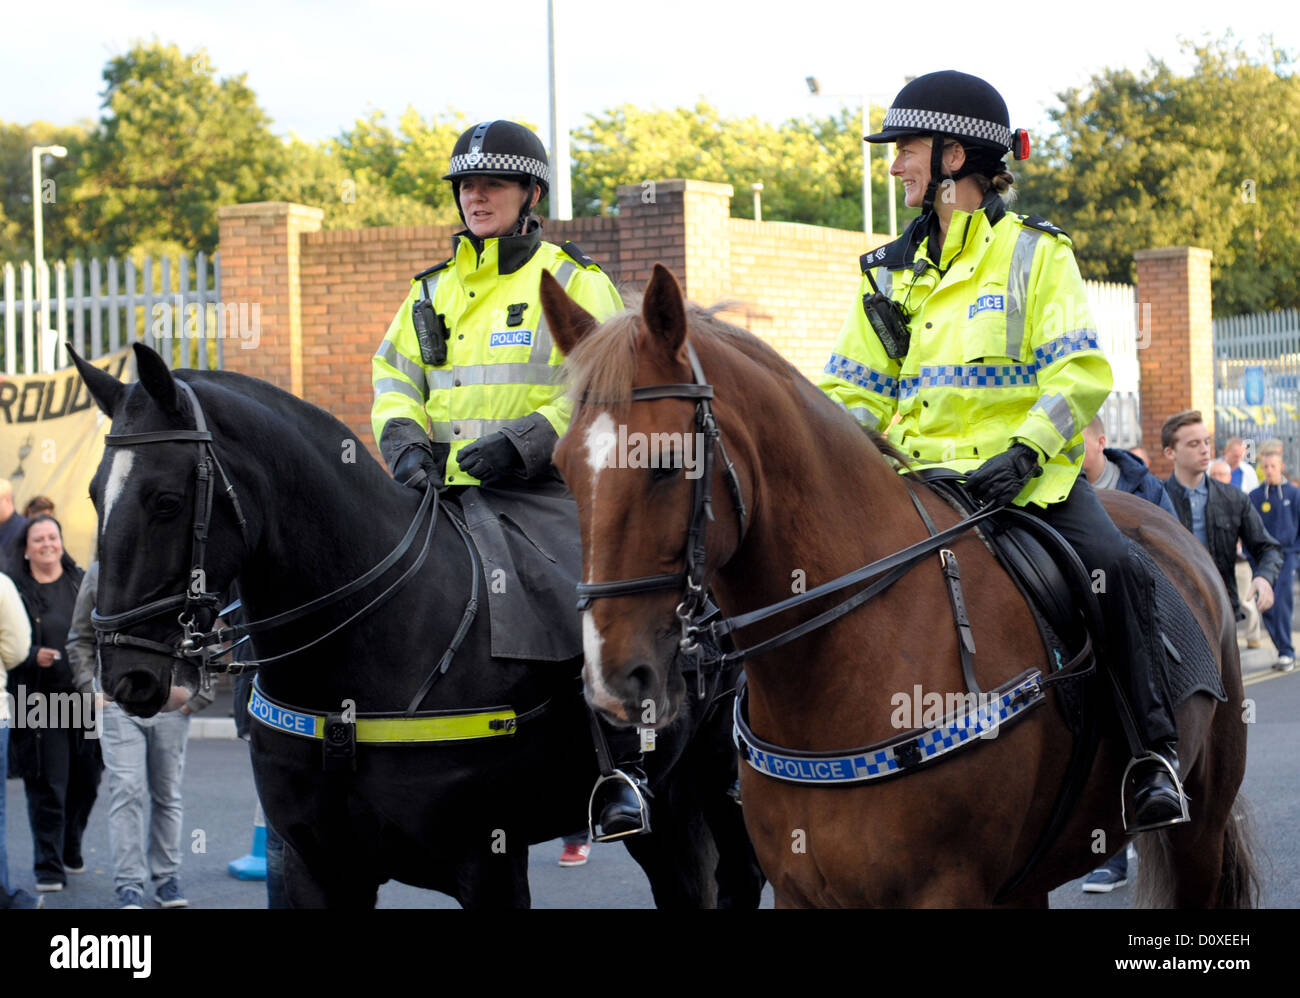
466,377
973,329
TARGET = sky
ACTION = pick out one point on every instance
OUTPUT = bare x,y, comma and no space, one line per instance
317,67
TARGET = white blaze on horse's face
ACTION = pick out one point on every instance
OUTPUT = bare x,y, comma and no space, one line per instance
598,692
117,473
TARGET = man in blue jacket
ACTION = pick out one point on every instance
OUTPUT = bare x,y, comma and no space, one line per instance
1278,503
1111,468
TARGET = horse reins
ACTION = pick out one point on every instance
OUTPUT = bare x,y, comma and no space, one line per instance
196,639
691,579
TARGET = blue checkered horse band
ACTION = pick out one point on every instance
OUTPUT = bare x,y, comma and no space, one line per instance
890,758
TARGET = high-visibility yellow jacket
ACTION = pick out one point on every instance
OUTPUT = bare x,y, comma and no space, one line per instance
1003,349
501,366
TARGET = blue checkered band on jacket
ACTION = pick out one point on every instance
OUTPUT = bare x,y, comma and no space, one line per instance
956,731
1079,339
479,161
861,375
959,125
997,375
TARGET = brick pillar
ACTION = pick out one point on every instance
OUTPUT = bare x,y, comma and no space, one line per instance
260,265
1175,340
682,224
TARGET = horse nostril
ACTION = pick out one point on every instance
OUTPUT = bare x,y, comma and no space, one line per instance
640,680
137,692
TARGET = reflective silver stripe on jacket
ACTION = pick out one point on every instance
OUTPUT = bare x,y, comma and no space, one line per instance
885,282
1022,262
388,352
542,343
1058,411
466,429
494,374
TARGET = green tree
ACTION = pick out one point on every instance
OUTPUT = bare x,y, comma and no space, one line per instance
811,169
173,144
1210,158
58,178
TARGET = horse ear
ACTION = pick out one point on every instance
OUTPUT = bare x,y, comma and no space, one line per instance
156,378
664,310
569,322
105,389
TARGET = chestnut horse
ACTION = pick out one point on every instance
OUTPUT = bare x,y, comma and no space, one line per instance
811,498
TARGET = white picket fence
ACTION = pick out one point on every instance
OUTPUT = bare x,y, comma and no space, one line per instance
1120,328
171,305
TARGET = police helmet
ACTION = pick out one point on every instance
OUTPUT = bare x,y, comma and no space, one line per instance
956,105
500,149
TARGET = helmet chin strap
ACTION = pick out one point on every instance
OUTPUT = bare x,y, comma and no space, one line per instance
931,189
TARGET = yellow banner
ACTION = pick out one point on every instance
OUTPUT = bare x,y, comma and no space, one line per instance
51,442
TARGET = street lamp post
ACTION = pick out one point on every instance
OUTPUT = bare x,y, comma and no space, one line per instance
561,202
868,220
42,275
757,188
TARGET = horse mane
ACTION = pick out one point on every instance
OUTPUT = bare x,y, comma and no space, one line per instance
602,366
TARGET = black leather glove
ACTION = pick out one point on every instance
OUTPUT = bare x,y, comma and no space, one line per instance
417,468
999,479
491,457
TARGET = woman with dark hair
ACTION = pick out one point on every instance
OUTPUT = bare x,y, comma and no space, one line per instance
59,764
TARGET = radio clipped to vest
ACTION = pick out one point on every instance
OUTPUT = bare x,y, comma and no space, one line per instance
430,330
888,320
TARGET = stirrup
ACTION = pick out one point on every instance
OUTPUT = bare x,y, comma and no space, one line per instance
1178,785
597,833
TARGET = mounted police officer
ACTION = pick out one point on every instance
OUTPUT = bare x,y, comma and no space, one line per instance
973,331
465,394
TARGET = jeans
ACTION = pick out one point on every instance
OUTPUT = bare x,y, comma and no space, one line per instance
1277,618
145,757
5,889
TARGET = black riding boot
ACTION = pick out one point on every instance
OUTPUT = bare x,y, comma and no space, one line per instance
620,801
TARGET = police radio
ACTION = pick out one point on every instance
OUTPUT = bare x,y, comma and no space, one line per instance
432,332
888,320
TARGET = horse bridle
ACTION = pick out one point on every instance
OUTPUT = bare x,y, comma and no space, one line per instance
199,608
691,578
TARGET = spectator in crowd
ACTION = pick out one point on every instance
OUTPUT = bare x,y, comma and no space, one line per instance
1278,503
1254,631
1243,475
59,764
11,522
1217,514
1141,454
15,643
145,758
1109,468
38,505
1220,472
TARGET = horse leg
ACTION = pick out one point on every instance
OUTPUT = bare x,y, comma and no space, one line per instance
494,880
303,889
740,879
678,857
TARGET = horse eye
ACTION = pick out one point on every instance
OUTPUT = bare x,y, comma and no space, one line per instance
167,505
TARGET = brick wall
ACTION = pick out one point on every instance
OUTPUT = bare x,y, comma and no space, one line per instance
327,296
1177,360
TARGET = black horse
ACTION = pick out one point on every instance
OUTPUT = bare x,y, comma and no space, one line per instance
294,509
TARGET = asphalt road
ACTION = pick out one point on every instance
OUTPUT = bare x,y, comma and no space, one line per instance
219,807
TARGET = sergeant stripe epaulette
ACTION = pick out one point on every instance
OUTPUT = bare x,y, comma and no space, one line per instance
574,252
434,269
1043,225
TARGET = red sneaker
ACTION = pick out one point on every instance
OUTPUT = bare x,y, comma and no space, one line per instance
575,855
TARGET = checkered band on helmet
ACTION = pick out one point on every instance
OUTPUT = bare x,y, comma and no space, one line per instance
957,125
488,162
500,148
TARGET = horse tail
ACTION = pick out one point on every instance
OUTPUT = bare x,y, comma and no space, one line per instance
1241,883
